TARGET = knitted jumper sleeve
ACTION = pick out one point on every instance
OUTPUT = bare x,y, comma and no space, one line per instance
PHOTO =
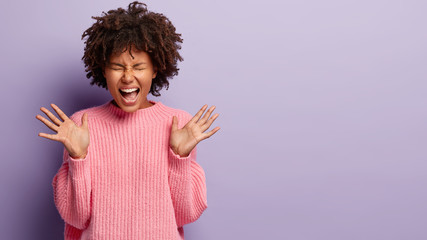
187,184
72,188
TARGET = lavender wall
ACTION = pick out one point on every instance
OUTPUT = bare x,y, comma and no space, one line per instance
322,103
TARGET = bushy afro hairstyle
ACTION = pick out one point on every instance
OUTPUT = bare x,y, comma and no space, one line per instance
121,29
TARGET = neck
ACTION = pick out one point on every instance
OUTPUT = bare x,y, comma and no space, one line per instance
155,113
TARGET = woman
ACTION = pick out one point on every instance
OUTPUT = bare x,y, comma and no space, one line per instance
129,167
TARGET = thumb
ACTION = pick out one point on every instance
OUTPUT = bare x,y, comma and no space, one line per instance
84,120
174,123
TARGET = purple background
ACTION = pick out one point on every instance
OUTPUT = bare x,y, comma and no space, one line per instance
322,113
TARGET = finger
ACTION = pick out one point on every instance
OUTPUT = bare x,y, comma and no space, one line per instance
84,120
51,116
53,137
48,123
206,116
198,114
209,134
60,113
174,123
209,122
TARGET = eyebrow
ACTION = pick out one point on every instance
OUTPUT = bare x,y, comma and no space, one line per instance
135,65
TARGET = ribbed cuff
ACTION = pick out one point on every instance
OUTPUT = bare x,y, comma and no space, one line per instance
79,168
176,157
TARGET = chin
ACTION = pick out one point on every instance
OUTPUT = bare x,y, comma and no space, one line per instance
126,108
130,109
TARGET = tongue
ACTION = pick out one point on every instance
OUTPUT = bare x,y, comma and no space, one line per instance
130,96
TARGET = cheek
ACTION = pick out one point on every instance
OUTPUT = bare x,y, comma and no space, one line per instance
148,84
111,86
110,79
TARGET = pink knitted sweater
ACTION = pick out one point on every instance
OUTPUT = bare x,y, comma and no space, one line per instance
131,185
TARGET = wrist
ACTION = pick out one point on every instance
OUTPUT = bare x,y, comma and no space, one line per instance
179,153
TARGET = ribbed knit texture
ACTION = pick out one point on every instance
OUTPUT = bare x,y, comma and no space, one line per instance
131,185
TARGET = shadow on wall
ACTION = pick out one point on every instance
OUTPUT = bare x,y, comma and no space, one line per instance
78,94
50,224
75,93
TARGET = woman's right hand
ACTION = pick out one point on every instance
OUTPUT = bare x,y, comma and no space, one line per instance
74,138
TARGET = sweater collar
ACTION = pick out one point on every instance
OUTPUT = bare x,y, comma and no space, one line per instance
150,114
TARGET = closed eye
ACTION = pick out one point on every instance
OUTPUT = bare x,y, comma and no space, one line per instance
116,68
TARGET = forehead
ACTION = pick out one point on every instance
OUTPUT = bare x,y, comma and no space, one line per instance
134,56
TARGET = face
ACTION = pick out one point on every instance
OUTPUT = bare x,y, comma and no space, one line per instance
129,79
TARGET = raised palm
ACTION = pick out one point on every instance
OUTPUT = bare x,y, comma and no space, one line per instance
183,140
75,138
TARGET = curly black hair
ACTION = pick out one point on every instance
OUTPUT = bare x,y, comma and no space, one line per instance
121,29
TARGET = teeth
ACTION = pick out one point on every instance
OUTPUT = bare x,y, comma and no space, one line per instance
129,90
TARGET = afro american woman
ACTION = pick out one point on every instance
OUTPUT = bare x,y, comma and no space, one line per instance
129,167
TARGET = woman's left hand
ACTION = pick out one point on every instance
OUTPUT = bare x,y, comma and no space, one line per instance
182,141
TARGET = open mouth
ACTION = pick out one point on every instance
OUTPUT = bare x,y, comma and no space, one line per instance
129,95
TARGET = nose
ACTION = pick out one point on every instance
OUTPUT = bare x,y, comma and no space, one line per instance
128,75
